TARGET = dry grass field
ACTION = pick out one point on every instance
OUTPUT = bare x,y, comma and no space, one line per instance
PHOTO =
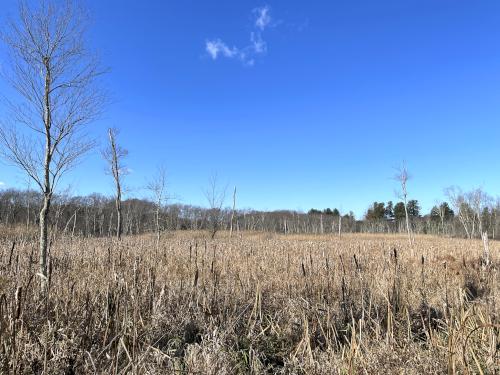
256,303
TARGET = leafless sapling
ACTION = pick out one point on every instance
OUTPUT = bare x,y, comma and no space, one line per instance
215,196
402,177
233,211
157,187
114,155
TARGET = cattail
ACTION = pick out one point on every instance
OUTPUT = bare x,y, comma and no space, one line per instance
11,252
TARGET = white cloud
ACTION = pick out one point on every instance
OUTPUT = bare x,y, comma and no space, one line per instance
217,46
263,17
257,46
2,184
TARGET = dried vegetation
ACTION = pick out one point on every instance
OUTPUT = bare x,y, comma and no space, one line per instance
252,304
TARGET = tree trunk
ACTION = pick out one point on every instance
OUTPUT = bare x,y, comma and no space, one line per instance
158,225
465,225
407,223
486,250
74,224
119,225
44,212
232,213
115,169
44,230
28,211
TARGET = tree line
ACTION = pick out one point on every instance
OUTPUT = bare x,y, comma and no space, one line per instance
95,215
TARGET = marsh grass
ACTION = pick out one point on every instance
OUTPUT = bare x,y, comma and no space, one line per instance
255,304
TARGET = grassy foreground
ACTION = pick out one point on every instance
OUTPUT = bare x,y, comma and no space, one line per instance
258,303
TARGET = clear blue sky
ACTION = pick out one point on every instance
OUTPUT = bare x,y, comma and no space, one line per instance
299,104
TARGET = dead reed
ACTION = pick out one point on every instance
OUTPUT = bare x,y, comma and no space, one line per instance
253,304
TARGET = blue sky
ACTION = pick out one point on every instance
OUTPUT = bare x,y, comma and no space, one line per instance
298,104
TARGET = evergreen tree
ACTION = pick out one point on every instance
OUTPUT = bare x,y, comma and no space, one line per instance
389,211
328,211
314,211
442,210
399,211
376,212
413,208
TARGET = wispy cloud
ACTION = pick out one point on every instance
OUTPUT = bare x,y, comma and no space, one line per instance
263,18
218,47
257,45
2,184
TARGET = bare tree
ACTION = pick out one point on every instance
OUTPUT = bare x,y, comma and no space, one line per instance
479,201
464,213
215,197
442,214
114,155
441,210
55,79
340,224
402,177
232,213
469,207
28,206
157,186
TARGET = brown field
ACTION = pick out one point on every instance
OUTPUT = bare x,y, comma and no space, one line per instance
259,303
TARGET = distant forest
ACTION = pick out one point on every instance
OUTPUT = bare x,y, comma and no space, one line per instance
467,215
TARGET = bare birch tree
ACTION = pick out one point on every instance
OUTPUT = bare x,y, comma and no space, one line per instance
54,78
479,200
442,214
114,155
469,207
157,186
402,177
233,211
464,213
216,197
